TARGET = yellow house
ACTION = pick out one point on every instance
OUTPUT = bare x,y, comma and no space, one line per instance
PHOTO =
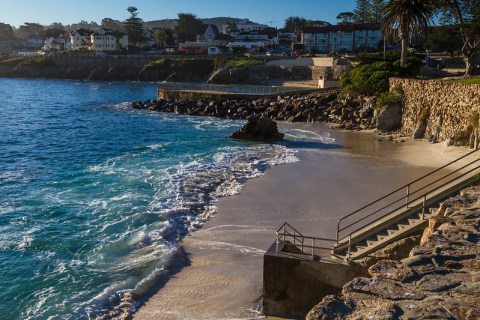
108,40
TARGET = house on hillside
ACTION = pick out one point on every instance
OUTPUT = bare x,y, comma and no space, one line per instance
346,38
244,25
210,34
108,40
34,41
54,44
79,39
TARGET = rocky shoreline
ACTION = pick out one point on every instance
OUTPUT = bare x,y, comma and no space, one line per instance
440,279
342,110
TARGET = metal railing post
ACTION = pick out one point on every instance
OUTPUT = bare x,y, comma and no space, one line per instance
408,195
423,206
349,246
313,248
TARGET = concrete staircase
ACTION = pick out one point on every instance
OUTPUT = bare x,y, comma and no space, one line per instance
396,221
401,213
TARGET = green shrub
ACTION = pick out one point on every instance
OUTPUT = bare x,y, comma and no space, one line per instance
411,69
367,79
394,96
424,115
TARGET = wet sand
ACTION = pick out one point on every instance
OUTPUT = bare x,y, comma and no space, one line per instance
223,276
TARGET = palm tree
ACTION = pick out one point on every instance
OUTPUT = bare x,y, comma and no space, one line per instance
408,16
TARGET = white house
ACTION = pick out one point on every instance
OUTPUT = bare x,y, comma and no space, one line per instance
35,41
250,45
79,39
246,25
51,43
108,40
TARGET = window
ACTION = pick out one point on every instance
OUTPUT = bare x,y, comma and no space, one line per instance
322,35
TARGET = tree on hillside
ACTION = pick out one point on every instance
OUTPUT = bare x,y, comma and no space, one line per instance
6,31
108,23
345,17
376,11
55,30
162,37
188,26
362,12
29,29
317,23
134,27
295,24
466,15
408,16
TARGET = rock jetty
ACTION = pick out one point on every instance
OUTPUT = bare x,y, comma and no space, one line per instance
342,110
439,280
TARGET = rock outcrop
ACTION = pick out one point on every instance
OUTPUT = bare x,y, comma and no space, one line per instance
439,280
258,129
390,118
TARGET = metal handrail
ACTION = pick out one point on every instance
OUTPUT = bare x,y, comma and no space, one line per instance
410,194
422,197
408,187
283,234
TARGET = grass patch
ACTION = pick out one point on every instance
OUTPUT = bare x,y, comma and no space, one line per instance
12,62
240,62
468,81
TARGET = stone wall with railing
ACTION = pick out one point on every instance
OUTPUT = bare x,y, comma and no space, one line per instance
448,106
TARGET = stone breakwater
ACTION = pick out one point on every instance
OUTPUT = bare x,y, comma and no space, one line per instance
342,110
439,280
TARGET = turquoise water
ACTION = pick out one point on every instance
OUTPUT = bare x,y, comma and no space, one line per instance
94,196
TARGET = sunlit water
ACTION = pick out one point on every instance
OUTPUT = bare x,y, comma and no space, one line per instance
94,195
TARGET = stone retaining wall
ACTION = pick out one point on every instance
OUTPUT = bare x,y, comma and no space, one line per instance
455,103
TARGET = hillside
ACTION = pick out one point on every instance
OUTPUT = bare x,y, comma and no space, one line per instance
171,23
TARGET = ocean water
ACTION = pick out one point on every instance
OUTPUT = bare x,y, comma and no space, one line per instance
94,195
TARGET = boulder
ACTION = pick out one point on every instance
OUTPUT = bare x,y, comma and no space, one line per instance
258,129
390,118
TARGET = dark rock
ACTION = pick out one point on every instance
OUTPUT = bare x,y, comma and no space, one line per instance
258,129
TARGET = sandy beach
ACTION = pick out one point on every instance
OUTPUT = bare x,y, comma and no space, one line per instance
221,273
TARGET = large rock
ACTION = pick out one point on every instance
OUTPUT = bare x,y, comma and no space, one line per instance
258,129
390,118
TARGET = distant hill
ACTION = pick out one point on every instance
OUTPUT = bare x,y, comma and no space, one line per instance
171,23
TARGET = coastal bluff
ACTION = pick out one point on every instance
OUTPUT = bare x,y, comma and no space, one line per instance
438,280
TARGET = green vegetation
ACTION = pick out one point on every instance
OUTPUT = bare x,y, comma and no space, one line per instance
424,115
468,81
406,17
134,27
236,62
394,96
12,62
181,66
371,75
463,137
40,63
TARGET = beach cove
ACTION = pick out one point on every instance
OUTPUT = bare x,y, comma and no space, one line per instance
223,276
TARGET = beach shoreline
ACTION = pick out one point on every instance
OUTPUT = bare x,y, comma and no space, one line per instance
220,275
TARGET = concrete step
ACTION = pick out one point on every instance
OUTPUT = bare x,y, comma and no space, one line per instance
363,251
413,209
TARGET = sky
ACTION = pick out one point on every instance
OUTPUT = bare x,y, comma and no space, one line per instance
270,12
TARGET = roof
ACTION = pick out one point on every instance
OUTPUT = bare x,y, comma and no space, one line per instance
82,32
342,27
204,28
108,32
